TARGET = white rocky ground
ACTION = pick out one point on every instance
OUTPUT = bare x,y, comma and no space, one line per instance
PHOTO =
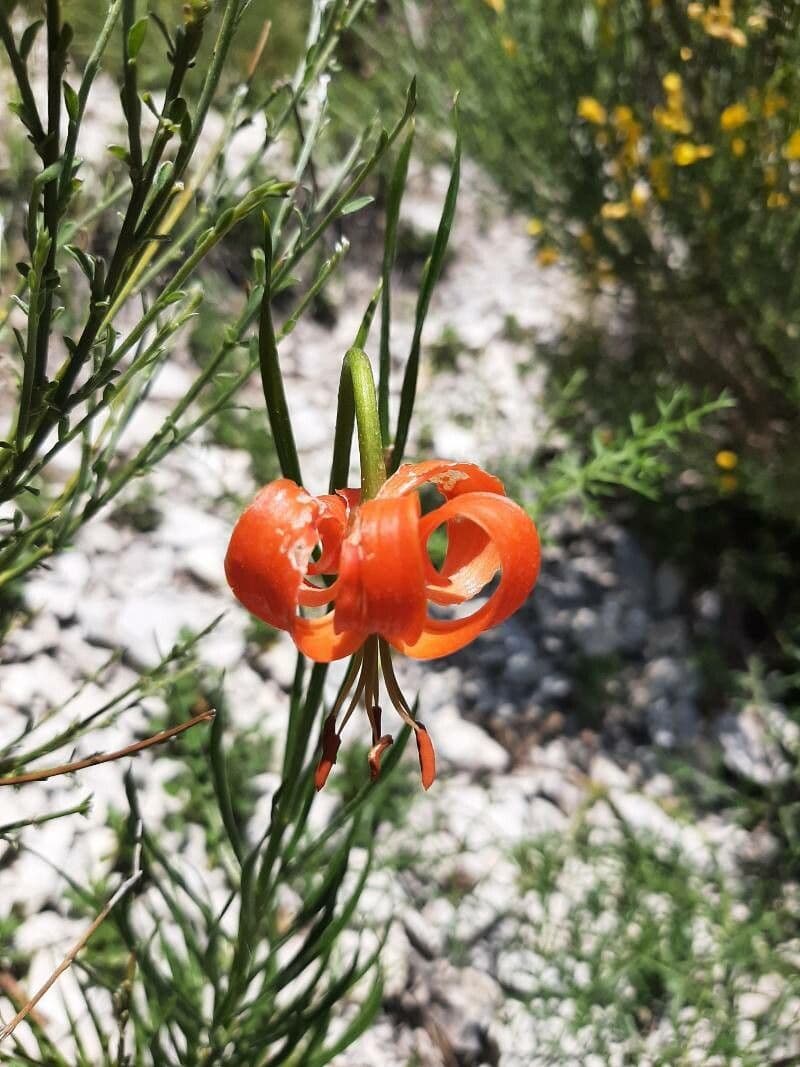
514,925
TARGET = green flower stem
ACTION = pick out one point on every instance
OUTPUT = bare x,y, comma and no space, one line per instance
358,405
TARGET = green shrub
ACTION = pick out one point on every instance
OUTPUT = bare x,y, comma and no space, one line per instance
656,147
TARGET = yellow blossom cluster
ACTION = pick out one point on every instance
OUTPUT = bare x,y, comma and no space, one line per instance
624,131
717,21
592,111
673,116
734,116
685,153
629,133
616,210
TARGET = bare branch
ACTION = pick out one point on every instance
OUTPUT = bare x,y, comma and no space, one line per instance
109,757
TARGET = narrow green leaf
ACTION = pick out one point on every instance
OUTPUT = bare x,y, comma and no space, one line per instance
393,201
28,38
358,1024
430,278
119,152
71,101
219,776
48,175
136,36
272,378
366,321
357,204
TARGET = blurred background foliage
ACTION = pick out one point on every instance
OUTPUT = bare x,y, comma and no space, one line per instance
654,147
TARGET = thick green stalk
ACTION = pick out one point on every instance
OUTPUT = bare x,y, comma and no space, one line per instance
358,405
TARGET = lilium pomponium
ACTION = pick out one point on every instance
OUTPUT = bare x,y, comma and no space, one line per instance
373,574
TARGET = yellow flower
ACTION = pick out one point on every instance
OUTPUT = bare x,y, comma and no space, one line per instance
757,22
615,211
496,5
534,227
672,82
686,53
622,117
674,121
791,150
510,46
685,153
734,116
547,256
591,110
777,200
718,22
726,460
738,146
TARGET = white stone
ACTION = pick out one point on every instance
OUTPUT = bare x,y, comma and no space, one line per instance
750,749
464,745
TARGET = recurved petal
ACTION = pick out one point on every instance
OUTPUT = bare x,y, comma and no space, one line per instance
471,560
450,478
321,641
513,537
269,551
381,574
334,510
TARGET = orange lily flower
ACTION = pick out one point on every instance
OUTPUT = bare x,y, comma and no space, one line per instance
381,579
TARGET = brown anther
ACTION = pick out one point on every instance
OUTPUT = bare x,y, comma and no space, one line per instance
427,756
375,754
374,716
330,750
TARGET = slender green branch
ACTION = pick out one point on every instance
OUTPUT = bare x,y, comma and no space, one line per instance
271,378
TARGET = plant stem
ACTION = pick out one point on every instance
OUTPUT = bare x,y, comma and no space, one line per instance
358,404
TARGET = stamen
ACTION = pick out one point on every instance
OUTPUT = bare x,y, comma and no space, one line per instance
374,716
427,756
330,740
425,750
359,690
375,753
330,750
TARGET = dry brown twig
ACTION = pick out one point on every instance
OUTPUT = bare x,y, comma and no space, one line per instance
109,757
123,889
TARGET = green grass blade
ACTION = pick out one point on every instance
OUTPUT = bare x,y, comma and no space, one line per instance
394,199
431,275
271,377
